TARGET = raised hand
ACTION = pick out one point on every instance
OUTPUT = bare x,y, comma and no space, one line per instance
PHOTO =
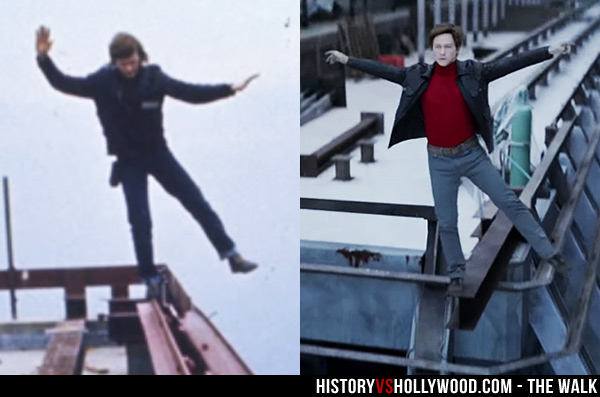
242,86
564,48
43,42
334,56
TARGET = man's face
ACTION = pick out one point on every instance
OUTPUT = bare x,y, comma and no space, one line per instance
444,49
129,67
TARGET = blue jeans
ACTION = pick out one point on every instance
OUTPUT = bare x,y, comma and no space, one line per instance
445,172
168,172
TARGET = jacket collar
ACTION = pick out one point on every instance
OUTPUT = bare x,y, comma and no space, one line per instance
461,69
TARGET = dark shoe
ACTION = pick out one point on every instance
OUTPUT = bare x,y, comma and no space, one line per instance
155,287
559,264
456,286
240,265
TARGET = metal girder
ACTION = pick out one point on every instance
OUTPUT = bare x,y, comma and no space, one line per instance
428,364
491,255
166,357
581,315
217,355
57,277
430,328
551,331
125,328
359,207
428,279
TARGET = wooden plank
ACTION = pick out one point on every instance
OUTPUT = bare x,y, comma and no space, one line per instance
64,354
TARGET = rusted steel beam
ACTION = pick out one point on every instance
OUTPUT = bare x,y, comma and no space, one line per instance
119,276
65,352
166,357
123,305
75,295
119,291
125,328
218,356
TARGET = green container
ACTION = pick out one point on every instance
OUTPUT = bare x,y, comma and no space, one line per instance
520,147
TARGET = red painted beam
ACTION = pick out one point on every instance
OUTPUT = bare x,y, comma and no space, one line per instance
166,357
217,354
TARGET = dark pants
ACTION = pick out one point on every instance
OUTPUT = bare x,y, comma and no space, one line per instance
173,178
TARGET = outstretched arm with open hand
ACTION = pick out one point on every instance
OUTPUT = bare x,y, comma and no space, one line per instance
334,56
564,48
43,42
242,86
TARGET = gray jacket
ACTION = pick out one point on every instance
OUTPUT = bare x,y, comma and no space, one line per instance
472,81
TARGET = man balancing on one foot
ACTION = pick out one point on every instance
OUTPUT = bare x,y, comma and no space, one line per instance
447,102
129,95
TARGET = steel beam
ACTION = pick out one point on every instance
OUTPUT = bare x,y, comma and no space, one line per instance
218,356
164,351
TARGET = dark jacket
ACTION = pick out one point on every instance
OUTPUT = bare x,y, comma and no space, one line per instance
472,80
130,111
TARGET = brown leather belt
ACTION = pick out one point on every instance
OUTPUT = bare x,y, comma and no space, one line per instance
469,143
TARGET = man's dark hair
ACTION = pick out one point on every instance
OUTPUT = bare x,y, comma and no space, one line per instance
455,30
123,45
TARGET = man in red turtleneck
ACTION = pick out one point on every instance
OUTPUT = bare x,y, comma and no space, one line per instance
447,103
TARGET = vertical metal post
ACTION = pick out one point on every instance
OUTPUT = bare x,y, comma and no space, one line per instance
502,9
475,19
452,11
342,167
304,6
486,17
367,150
437,12
494,13
464,7
421,29
11,263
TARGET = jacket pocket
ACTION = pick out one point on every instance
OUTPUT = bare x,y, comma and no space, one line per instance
150,105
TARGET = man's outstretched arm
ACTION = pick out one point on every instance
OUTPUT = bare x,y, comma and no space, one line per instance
501,67
82,87
374,68
202,93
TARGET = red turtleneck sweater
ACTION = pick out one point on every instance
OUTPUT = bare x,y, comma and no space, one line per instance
448,120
